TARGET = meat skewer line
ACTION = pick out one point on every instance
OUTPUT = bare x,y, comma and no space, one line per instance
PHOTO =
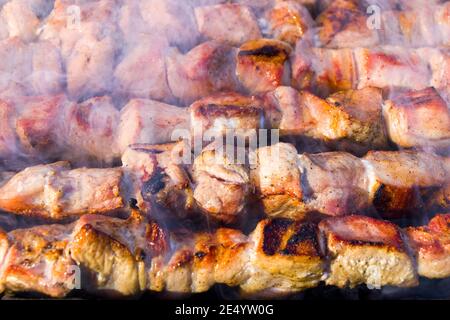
279,257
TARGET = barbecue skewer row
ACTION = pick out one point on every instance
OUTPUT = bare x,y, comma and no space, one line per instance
109,256
285,183
325,71
37,129
348,23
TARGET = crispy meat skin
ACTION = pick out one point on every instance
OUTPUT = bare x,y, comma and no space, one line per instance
418,119
431,245
54,191
365,250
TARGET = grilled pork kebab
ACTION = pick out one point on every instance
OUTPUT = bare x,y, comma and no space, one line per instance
286,183
95,132
109,256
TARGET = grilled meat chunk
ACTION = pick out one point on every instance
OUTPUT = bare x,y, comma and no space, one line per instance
334,183
35,259
157,175
349,120
365,250
54,191
20,20
220,114
148,121
286,258
391,67
401,179
114,252
262,65
142,71
343,24
222,183
206,69
230,23
431,245
288,21
277,179
418,119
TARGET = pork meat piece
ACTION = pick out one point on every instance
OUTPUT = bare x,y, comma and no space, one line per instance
288,21
418,119
277,179
34,259
222,184
142,71
226,113
152,122
367,251
229,23
262,65
287,258
401,179
391,67
431,245
343,24
206,69
158,178
54,191
90,68
89,130
20,20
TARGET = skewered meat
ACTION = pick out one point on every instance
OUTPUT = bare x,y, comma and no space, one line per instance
111,253
330,70
349,120
400,187
159,178
142,72
432,246
96,59
218,114
35,67
222,185
20,20
343,24
34,260
148,121
338,183
230,23
206,69
262,65
287,257
54,191
288,21
365,250
418,119
125,257
346,24
43,127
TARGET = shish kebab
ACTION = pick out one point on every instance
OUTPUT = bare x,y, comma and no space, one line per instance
287,184
36,129
126,257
